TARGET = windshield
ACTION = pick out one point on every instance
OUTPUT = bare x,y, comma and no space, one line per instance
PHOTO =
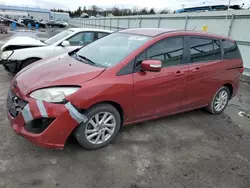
58,37
110,50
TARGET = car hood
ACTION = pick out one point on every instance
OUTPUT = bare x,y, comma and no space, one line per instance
57,71
21,42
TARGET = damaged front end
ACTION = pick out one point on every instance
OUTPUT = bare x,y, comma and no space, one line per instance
10,47
11,66
45,124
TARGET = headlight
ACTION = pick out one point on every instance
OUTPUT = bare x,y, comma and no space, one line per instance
6,54
54,94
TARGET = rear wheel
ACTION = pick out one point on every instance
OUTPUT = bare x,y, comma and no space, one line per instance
220,101
28,62
102,127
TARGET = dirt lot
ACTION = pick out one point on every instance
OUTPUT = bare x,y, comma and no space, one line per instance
193,149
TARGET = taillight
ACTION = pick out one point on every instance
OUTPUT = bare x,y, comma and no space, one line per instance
241,70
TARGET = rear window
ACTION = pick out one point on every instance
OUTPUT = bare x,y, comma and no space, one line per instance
231,50
204,49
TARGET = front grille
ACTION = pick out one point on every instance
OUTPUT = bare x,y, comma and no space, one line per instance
14,107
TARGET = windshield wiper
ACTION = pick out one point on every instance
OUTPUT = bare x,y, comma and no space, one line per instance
80,59
86,59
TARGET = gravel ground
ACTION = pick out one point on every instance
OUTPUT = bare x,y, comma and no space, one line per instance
193,149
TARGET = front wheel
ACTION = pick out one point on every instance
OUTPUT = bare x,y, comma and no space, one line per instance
102,127
220,101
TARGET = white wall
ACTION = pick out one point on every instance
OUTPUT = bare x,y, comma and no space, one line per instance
40,15
60,16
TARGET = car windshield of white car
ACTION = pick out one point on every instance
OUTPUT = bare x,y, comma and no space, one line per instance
58,37
112,49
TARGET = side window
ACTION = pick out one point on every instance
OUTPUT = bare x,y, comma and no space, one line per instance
100,35
169,51
202,49
231,50
81,38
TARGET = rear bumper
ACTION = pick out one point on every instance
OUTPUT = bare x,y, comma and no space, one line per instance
10,65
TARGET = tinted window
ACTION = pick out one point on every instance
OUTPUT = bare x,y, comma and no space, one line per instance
231,50
81,39
202,49
100,35
169,52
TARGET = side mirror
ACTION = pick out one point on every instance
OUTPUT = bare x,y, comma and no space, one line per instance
65,43
151,65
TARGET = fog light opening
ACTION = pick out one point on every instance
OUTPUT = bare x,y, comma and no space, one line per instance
37,126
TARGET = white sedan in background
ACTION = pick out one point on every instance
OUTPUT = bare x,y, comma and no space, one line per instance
19,52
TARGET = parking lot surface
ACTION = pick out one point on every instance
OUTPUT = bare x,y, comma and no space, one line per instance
192,149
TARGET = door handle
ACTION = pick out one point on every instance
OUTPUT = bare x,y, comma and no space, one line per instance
196,69
179,73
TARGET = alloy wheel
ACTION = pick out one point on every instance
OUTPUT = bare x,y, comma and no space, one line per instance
221,100
100,128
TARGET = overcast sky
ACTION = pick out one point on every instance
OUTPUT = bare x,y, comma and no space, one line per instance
158,4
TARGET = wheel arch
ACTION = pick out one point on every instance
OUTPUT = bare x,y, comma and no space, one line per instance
116,105
230,87
25,60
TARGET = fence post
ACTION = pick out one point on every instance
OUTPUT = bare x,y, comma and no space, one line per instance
140,22
230,26
128,22
110,23
159,21
186,22
118,24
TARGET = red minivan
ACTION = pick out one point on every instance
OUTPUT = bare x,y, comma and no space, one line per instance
130,76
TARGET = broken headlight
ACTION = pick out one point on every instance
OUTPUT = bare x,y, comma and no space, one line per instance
6,54
53,94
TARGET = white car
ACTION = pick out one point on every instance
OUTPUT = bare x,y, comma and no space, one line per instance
21,51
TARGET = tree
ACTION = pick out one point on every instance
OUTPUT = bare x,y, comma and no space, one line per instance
116,11
94,10
152,11
143,11
165,11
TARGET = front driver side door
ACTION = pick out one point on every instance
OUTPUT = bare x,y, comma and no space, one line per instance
160,93
76,41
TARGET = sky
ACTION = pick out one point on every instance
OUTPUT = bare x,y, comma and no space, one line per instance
157,4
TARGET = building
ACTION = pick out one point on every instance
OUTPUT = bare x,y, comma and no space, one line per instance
60,16
16,12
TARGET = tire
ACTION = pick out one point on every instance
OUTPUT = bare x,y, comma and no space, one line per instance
212,106
27,62
101,109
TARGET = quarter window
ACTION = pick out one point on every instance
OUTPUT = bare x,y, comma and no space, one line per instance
231,50
202,50
169,52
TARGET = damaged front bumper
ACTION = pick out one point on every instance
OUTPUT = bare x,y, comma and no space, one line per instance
45,124
10,65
